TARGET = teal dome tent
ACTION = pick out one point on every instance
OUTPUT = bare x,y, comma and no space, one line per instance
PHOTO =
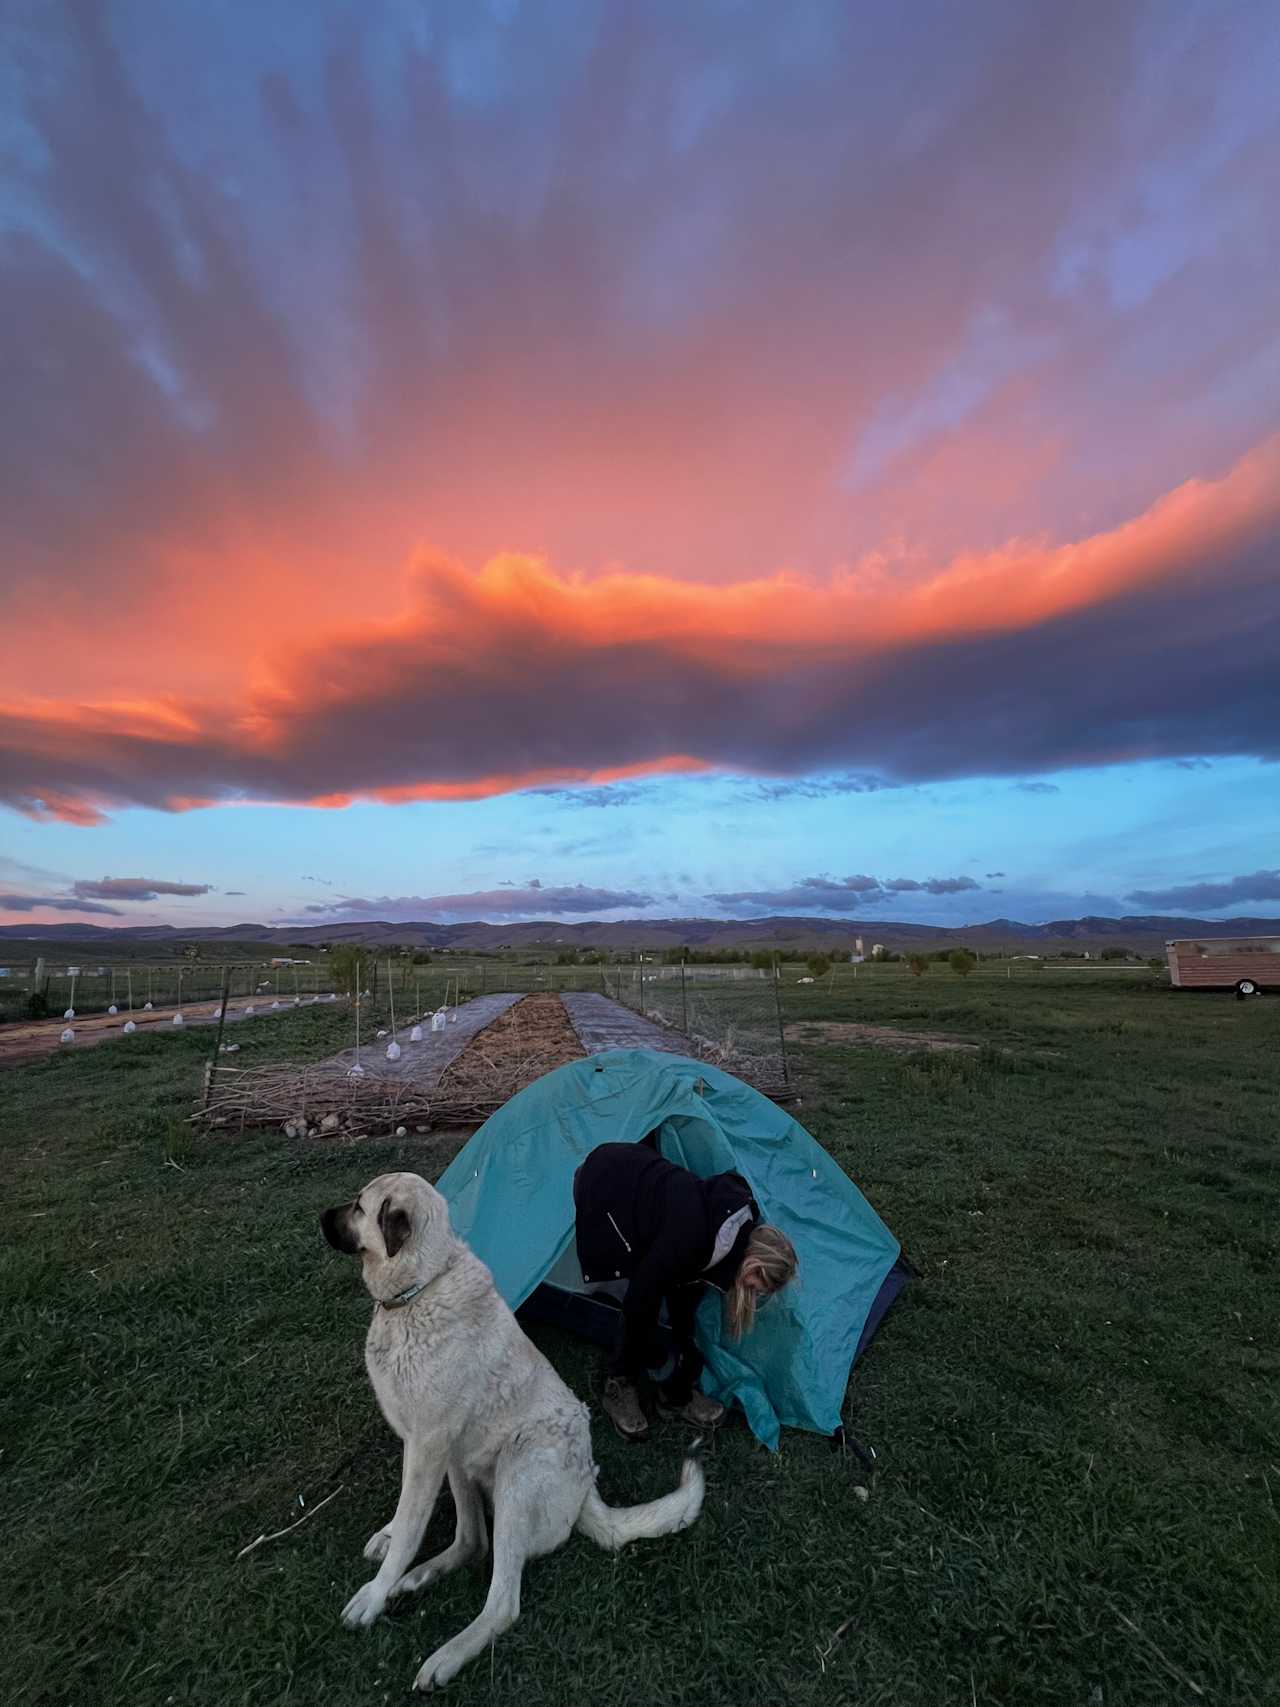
510,1195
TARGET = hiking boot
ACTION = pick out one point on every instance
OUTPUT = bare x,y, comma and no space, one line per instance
622,1407
700,1411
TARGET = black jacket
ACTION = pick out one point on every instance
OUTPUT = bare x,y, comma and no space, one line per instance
642,1219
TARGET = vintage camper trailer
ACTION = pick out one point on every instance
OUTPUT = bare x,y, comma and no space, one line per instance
1246,964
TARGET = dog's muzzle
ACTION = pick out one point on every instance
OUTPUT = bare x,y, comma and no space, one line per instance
336,1227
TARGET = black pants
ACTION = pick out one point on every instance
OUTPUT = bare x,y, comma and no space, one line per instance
675,1387
628,1362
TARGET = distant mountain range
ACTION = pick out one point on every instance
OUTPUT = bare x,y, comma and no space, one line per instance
1145,933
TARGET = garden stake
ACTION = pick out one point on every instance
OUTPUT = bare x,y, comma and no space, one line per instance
217,1042
782,1041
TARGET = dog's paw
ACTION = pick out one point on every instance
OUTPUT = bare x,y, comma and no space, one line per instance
365,1606
443,1666
419,1577
375,1547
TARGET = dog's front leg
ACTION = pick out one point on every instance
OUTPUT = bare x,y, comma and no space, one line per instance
425,1462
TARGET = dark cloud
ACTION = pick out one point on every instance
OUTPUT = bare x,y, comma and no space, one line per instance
1209,897
1193,764
533,899
429,706
1037,787
840,894
994,874
136,889
930,885
817,788
324,881
604,794
56,903
554,294
233,891
89,897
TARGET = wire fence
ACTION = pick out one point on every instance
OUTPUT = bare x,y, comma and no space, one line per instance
42,990
739,1009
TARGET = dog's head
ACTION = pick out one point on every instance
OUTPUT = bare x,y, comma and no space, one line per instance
398,1226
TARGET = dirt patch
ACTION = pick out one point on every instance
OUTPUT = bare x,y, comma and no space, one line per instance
531,1038
30,1040
881,1036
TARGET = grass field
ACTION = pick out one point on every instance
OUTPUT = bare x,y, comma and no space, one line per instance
1076,1407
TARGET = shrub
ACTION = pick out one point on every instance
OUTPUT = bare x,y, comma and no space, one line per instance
961,962
350,969
819,966
919,964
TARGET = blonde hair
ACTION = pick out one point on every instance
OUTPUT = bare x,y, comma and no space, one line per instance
770,1257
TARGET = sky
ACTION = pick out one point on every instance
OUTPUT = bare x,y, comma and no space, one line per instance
565,460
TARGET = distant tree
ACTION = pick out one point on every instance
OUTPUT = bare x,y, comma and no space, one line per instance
818,966
961,962
919,964
349,969
422,958
765,959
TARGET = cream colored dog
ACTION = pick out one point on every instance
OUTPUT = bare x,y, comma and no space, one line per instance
472,1399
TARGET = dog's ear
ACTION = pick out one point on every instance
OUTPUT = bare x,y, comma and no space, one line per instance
394,1225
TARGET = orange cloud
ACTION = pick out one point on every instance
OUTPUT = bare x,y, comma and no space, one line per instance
516,676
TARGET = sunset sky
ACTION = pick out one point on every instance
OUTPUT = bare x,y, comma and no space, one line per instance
572,460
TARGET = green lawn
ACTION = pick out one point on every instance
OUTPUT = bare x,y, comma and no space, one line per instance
1075,1406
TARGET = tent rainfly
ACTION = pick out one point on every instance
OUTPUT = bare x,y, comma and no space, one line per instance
510,1195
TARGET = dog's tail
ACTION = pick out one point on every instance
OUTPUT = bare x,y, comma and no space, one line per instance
613,1526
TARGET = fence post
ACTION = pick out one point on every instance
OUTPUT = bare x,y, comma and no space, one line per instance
782,1038
684,1002
217,1042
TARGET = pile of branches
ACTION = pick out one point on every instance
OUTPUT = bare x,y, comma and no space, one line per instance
325,1100
764,1072
317,1101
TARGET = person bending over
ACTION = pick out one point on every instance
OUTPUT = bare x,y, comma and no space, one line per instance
667,1233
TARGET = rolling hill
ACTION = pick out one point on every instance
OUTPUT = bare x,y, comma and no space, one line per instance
1145,933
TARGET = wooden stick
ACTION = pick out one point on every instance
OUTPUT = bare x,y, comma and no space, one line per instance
782,1039
289,1531
217,1042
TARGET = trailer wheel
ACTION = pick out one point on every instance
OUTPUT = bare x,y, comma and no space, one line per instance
1246,987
